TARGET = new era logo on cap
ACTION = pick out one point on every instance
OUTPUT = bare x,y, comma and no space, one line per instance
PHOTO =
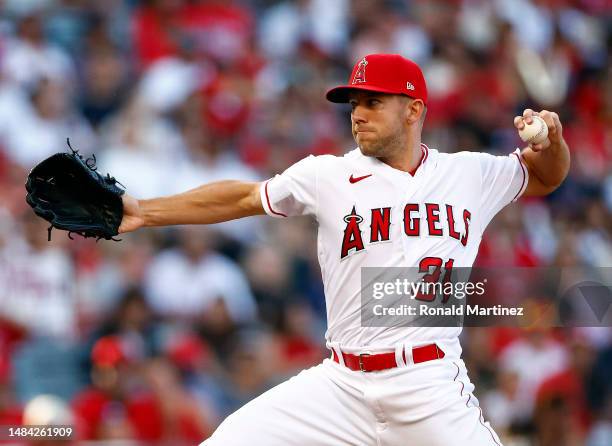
383,73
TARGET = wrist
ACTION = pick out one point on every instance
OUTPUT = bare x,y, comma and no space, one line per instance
144,209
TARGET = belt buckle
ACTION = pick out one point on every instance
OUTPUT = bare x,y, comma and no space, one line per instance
361,355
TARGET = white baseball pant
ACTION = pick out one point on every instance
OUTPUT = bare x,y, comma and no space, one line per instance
427,404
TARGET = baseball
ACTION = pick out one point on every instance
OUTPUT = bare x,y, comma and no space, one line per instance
536,132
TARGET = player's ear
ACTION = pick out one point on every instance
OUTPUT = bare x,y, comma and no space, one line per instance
415,110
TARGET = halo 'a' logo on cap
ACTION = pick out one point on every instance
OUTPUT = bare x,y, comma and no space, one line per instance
409,86
360,77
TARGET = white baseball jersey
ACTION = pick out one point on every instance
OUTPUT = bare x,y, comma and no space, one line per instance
372,215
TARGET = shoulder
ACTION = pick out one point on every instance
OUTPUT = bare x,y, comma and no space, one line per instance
463,156
352,157
463,161
354,154
317,163
469,159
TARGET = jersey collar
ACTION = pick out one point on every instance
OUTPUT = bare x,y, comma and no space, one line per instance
424,156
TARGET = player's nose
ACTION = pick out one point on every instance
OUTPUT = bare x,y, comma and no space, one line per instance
358,115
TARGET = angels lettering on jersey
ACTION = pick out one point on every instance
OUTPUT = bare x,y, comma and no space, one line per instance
355,237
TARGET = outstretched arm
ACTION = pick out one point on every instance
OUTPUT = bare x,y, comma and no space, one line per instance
548,163
210,203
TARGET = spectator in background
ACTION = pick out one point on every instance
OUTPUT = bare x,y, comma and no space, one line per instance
281,307
190,280
11,410
157,31
103,84
533,357
220,30
504,409
117,404
285,25
30,57
600,397
298,339
250,363
37,283
199,369
105,276
183,421
594,244
567,389
268,271
133,321
139,136
44,124
208,159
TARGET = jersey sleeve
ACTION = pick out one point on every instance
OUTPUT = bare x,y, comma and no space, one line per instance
504,180
293,192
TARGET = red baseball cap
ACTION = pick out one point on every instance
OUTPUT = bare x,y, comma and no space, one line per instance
108,352
383,73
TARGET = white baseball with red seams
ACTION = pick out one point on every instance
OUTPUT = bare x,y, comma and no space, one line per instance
371,215
536,132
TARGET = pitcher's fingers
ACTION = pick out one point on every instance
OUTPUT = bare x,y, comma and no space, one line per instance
518,122
527,115
548,119
536,147
557,121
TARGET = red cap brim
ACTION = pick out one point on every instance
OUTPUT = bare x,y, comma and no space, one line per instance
340,95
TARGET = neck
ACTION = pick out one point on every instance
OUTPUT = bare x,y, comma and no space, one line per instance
407,157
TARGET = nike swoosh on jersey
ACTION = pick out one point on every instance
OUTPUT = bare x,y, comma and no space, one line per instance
353,180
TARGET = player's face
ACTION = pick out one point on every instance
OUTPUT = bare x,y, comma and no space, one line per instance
378,122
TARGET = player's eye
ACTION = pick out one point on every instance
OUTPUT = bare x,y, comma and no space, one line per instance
373,102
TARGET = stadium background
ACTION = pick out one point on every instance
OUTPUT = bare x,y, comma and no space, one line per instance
159,337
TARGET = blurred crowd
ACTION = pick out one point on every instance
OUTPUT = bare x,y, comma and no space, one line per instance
158,337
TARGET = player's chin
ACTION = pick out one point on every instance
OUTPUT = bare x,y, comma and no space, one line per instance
368,142
368,148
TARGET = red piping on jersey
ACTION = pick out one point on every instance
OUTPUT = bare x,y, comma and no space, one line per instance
268,200
424,146
518,157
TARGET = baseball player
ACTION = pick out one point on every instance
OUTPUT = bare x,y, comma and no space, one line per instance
391,202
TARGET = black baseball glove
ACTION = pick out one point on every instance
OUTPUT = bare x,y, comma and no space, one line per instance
68,192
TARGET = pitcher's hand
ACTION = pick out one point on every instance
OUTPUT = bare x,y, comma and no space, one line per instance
132,215
555,129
